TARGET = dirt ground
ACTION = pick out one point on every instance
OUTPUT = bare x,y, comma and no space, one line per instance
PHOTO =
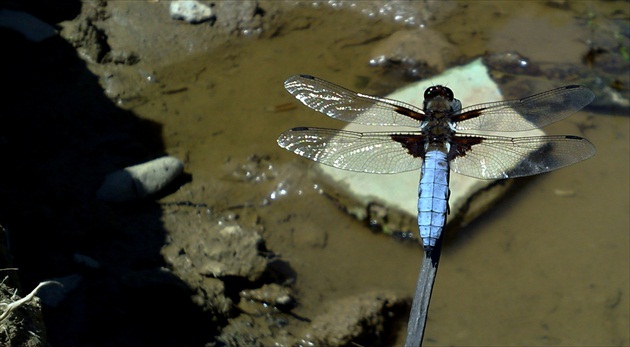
245,248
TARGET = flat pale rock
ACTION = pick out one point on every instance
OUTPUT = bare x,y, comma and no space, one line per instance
397,194
139,181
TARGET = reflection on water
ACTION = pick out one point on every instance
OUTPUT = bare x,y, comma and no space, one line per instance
542,268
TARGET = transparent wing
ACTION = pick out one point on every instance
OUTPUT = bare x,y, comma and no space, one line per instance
497,157
348,106
525,114
373,152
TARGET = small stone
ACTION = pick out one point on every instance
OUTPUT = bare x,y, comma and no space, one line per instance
191,11
139,181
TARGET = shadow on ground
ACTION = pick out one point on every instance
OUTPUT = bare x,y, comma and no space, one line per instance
59,136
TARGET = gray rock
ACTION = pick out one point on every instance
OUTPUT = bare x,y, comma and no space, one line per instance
30,26
139,181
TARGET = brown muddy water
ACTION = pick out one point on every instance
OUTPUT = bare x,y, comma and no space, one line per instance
548,266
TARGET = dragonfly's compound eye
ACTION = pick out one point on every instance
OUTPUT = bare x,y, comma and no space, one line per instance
447,93
435,91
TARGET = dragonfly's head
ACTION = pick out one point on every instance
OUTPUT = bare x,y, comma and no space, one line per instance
440,99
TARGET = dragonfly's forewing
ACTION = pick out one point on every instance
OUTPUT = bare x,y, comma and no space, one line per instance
373,152
495,157
525,114
348,106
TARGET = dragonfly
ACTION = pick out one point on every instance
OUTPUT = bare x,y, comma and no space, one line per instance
437,145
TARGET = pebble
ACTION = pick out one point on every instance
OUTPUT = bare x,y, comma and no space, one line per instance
191,11
139,181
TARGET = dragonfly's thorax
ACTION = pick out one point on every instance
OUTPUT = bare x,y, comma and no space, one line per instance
439,105
437,127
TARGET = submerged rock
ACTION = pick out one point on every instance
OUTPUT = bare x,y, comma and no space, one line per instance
406,51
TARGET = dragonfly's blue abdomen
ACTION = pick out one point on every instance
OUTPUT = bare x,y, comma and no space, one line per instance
433,197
